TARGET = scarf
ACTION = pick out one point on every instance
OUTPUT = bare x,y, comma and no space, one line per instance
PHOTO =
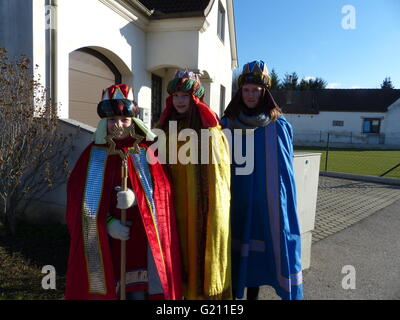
251,122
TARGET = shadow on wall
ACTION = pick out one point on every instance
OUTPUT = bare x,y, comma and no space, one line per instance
136,82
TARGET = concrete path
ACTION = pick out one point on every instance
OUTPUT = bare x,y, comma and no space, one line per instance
357,225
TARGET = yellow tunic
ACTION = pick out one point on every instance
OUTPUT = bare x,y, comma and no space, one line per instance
213,279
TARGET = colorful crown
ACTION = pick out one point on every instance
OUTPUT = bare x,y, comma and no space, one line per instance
186,81
117,100
255,72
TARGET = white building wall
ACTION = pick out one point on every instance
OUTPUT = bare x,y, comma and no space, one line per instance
97,26
314,128
136,52
215,57
324,121
172,49
392,124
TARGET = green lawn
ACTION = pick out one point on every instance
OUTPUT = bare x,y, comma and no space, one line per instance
366,162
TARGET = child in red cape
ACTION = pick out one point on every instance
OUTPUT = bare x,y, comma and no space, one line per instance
153,269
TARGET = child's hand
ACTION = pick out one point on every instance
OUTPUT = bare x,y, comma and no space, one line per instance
117,231
125,199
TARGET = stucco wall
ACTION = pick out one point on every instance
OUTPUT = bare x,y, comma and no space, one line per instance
215,57
308,128
392,124
97,26
172,48
136,51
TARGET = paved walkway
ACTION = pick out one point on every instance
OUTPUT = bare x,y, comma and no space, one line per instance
341,203
357,224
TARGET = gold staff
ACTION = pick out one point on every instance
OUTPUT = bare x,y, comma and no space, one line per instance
117,131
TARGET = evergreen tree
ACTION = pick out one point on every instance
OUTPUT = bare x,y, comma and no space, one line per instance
275,82
387,84
290,82
312,84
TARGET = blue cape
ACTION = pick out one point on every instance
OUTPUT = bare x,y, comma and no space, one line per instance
266,239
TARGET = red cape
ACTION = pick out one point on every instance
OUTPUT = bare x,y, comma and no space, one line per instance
165,250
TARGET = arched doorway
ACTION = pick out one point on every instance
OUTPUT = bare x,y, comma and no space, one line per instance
89,72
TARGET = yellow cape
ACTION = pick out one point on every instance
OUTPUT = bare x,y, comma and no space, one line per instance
213,279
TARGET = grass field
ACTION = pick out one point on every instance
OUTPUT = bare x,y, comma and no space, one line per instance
365,162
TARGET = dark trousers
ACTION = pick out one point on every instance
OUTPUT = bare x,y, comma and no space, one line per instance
252,293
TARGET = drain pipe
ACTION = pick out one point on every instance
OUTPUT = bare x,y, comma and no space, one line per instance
53,52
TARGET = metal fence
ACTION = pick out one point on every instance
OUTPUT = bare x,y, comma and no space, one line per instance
352,153
356,138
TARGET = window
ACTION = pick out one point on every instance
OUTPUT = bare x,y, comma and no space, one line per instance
337,123
222,101
371,125
156,98
221,22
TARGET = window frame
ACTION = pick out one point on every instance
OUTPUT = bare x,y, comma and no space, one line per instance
337,123
221,22
156,98
371,131
222,99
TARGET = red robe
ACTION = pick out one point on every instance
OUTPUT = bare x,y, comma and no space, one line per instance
92,266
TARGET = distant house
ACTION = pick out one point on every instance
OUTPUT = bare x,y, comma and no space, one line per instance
82,47
350,116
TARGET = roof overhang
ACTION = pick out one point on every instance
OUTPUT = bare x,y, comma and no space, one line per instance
131,10
232,33
178,24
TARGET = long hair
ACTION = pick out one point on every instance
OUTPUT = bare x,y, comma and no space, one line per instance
266,104
190,120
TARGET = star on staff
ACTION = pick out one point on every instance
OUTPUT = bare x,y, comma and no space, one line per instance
117,131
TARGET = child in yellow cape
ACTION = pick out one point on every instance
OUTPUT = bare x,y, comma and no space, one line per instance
202,190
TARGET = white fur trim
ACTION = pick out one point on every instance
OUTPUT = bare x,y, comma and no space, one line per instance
101,132
125,199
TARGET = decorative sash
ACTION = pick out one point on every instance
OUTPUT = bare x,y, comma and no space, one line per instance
90,207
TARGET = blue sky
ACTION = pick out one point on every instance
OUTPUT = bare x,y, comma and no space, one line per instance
307,36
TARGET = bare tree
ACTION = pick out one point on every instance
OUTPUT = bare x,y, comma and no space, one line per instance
33,154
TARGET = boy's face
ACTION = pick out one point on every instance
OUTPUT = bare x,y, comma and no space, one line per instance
251,94
181,101
121,122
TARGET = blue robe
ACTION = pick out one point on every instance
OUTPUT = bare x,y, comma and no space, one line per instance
266,239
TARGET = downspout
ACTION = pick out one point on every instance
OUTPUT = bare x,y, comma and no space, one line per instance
232,33
53,52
